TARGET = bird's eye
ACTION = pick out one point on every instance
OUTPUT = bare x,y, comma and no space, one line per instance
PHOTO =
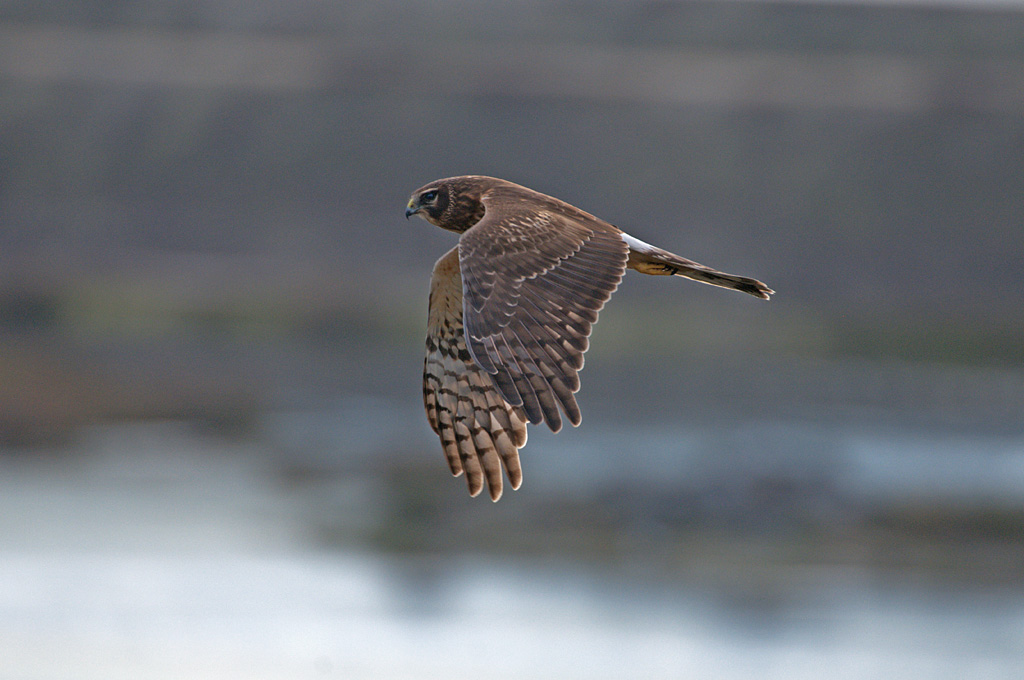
428,196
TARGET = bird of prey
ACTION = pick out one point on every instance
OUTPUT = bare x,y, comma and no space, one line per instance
510,312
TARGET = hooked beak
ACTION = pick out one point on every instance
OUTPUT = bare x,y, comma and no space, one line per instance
411,210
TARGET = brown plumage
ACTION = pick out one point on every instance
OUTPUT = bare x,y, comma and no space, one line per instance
510,313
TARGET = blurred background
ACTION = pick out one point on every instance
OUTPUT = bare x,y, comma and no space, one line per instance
213,457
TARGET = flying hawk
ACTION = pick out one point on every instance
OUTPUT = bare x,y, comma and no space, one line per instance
510,313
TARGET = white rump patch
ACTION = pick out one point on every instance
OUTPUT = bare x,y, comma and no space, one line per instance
636,244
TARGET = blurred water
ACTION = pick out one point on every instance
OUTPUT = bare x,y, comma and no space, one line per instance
156,551
871,460
117,615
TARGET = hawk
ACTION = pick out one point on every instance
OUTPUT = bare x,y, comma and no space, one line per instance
510,312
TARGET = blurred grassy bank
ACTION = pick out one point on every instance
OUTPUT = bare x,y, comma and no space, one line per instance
116,349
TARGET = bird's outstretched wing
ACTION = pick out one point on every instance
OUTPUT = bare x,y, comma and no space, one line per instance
479,430
535,274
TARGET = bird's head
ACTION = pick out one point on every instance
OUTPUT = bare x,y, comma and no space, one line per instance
429,202
454,203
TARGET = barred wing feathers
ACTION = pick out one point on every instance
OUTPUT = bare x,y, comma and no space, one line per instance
479,430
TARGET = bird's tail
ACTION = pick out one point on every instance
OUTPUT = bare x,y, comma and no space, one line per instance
648,259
